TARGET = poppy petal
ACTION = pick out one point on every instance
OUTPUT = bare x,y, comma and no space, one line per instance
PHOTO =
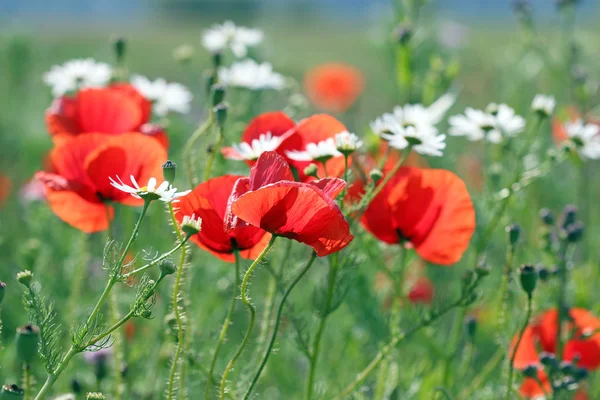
330,186
61,117
107,111
79,212
269,168
527,353
298,211
231,221
275,122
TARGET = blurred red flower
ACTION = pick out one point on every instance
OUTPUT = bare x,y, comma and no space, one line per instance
584,343
78,186
305,212
334,87
5,188
422,291
112,110
209,202
430,208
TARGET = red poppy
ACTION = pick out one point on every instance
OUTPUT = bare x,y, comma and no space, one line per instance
305,212
430,208
334,87
209,202
422,291
313,129
111,110
275,123
542,334
5,188
79,186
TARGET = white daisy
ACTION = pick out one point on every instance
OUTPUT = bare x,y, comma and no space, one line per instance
249,74
251,151
508,122
424,140
418,114
237,38
347,143
543,104
586,138
473,124
191,225
166,96
76,74
321,151
165,192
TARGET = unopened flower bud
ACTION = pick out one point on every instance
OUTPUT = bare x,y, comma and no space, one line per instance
220,111
580,374
567,368
167,267
543,274
514,232
376,175
217,59
548,360
402,34
11,392
311,170
547,216
568,216
169,169
25,278
27,343
530,371
183,53
2,290
492,108
574,232
471,327
528,277
119,45
209,80
95,396
218,93
146,314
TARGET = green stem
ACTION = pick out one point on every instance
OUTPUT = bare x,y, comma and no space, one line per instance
27,381
561,299
269,349
514,353
51,379
502,300
189,145
178,310
480,379
117,351
212,154
225,326
157,260
314,357
251,309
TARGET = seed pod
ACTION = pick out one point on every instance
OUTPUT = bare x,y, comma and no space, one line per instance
169,169
27,343
11,392
528,276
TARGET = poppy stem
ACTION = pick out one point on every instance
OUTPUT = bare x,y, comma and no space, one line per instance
502,299
189,145
251,309
561,300
213,152
511,366
269,349
225,326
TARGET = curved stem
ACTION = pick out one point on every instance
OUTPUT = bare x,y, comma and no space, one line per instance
225,326
159,259
269,349
189,145
211,156
511,367
246,301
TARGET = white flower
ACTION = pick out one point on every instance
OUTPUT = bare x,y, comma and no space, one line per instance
424,140
191,225
508,122
585,137
321,151
473,124
251,75
418,114
165,192
238,38
166,96
68,396
347,142
75,74
253,150
543,104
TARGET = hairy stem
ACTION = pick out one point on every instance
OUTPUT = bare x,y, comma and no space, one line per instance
189,145
212,154
251,309
511,366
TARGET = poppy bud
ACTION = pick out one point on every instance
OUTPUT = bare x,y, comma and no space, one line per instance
95,396
10,392
27,343
471,325
218,93
547,216
25,277
543,274
183,53
575,232
580,374
217,59
514,232
567,368
220,111
530,371
209,80
548,360
2,290
376,175
528,276
167,267
568,216
311,170
76,386
169,168
119,45
402,34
